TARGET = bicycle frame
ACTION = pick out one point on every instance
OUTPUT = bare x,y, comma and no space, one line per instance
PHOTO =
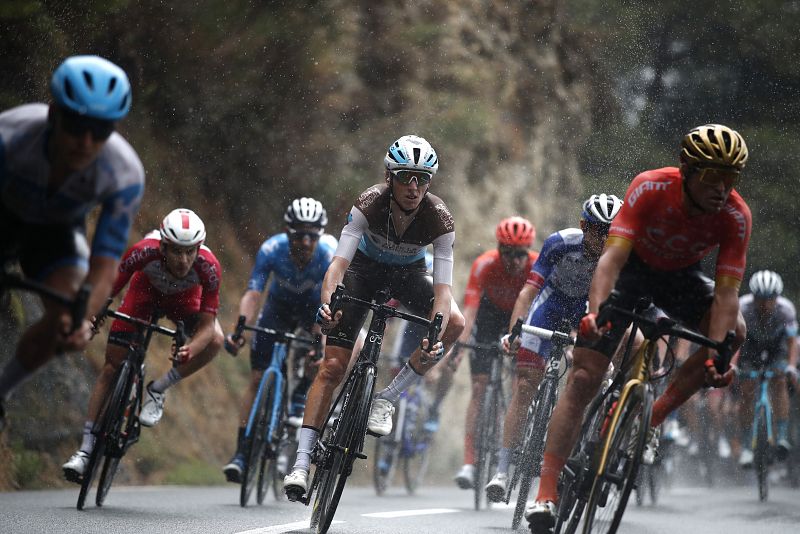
762,401
279,350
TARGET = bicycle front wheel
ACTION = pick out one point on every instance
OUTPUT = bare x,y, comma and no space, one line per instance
612,486
416,449
533,448
486,443
761,454
344,445
108,422
257,441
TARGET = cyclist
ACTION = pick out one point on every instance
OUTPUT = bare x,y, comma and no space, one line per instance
495,279
555,293
383,244
671,219
172,272
297,260
58,163
771,341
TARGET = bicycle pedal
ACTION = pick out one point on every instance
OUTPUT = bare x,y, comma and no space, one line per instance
361,455
295,494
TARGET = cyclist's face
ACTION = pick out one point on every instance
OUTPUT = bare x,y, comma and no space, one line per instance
74,145
515,259
408,196
594,238
303,240
710,188
179,260
765,306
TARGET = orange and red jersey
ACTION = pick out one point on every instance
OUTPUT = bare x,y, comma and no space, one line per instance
152,285
489,277
654,221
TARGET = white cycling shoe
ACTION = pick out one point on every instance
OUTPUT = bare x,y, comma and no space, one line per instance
465,478
380,417
541,516
153,408
295,484
496,488
75,467
746,459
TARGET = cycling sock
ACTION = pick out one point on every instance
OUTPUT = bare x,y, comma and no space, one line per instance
167,381
469,449
666,403
782,427
548,484
87,444
401,382
305,444
13,375
240,440
503,460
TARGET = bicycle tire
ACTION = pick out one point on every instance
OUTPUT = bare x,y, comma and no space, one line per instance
266,477
483,448
256,444
622,464
106,421
347,442
384,464
793,460
417,447
267,471
533,448
761,454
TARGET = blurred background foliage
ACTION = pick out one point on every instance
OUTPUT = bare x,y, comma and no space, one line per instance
240,106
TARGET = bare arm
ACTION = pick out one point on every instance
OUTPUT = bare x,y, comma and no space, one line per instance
611,262
523,303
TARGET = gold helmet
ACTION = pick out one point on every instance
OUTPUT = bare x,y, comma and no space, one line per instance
716,145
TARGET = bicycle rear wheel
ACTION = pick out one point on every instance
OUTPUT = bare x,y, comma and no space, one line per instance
486,444
108,419
612,487
533,448
344,445
761,454
257,442
416,447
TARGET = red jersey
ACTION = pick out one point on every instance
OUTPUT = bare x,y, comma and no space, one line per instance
666,238
489,277
150,282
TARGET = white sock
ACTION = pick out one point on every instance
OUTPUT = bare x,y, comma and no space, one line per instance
167,381
305,444
404,379
87,444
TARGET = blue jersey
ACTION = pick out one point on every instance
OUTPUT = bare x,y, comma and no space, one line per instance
563,275
115,180
289,283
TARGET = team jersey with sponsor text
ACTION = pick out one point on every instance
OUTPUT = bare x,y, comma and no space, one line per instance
488,277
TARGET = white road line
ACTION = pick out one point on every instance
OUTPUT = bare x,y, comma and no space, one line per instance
278,529
407,513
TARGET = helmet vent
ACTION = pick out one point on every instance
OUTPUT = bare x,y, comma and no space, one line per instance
111,84
88,78
417,152
68,90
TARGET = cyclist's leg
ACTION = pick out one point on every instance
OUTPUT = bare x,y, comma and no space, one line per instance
530,370
204,357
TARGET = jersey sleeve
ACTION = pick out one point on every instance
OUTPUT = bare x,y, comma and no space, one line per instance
790,319
114,223
548,257
134,260
351,234
732,257
627,224
263,266
443,258
211,281
475,283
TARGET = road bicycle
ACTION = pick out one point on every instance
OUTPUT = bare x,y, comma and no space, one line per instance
341,443
601,472
527,457
409,444
762,442
489,423
117,426
266,433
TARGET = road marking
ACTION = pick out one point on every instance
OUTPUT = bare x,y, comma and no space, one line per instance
278,529
407,513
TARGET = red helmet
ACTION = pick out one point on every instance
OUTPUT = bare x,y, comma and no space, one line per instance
515,232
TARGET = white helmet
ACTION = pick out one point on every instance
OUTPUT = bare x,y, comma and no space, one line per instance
766,284
306,210
601,208
413,153
183,227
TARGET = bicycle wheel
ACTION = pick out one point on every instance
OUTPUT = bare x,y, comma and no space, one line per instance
257,442
123,428
268,471
612,486
416,447
384,463
345,444
266,477
533,448
485,445
106,422
761,454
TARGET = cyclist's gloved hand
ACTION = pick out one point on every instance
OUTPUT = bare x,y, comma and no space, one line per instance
325,319
233,345
183,354
433,355
716,380
77,340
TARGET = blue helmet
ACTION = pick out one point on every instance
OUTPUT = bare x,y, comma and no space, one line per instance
93,87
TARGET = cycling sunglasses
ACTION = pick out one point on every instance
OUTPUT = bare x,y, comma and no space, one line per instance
713,176
512,252
405,176
77,125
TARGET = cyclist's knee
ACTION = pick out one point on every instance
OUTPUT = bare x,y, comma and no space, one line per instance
455,325
333,369
585,382
216,343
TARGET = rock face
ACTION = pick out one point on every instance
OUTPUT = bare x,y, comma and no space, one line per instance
501,90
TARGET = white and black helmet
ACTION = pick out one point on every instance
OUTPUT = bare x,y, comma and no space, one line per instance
601,208
306,210
766,284
183,227
413,153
